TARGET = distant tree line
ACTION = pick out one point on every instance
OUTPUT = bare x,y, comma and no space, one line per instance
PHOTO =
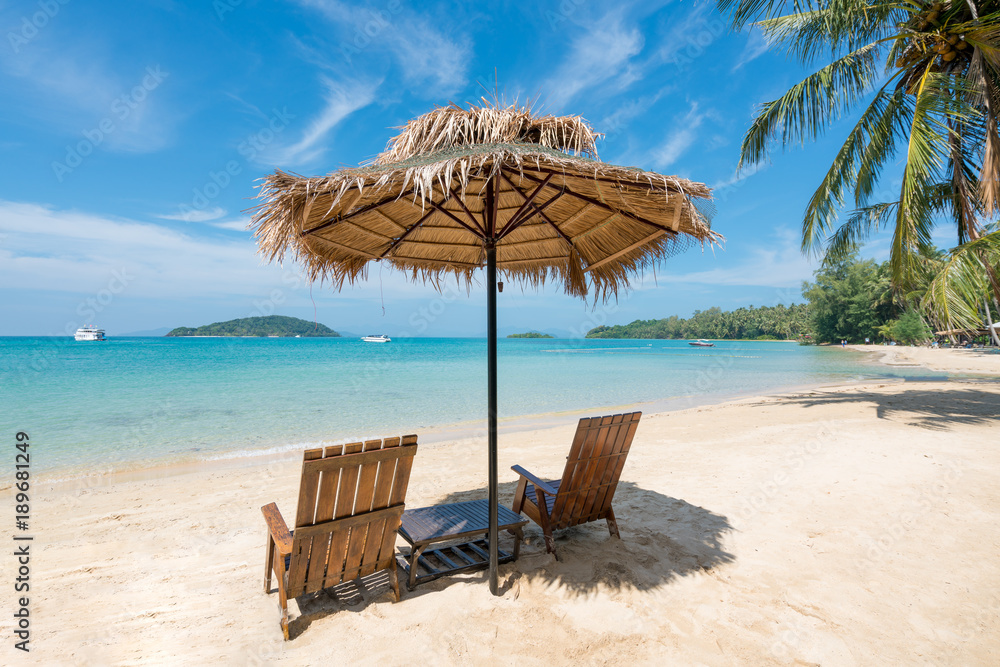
850,299
766,323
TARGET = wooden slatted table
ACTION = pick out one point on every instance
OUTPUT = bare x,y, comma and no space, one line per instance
425,526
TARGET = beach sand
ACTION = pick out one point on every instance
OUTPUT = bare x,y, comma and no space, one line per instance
952,360
836,526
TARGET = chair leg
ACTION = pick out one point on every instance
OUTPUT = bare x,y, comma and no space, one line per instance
543,515
415,552
519,496
612,524
269,563
394,577
550,544
283,601
518,534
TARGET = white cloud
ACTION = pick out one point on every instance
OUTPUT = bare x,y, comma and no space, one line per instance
755,47
737,177
595,57
781,264
71,251
231,225
44,248
689,37
425,53
677,143
70,88
191,215
341,100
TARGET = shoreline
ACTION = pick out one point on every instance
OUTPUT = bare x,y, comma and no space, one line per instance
469,432
810,527
238,455
463,434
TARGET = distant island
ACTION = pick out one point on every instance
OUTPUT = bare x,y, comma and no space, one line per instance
272,325
530,334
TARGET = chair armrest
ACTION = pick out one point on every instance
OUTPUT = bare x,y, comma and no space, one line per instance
540,484
278,529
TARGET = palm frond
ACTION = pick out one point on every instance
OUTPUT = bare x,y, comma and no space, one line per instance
821,212
748,11
957,292
810,106
859,227
837,26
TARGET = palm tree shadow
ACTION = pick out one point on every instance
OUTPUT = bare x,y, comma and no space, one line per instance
662,539
926,409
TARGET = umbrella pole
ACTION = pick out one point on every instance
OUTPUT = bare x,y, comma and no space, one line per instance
491,353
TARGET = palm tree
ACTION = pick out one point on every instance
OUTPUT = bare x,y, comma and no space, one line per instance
930,74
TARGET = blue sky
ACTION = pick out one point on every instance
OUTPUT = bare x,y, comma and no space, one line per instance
133,134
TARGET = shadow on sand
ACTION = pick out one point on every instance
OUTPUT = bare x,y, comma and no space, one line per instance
662,539
935,410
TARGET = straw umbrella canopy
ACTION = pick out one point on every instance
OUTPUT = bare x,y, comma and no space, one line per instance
489,187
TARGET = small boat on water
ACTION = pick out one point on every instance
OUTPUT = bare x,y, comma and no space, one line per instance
377,339
701,342
89,332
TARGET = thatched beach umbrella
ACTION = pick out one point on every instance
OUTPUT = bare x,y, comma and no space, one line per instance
459,190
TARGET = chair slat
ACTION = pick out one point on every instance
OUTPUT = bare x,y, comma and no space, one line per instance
308,488
402,477
350,505
615,474
362,503
575,470
607,449
590,477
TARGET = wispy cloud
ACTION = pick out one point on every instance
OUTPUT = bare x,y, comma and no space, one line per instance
595,57
737,177
433,60
192,215
688,37
780,264
680,140
71,251
71,89
756,46
341,100
426,54
231,225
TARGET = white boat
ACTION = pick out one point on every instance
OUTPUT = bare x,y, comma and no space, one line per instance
377,339
89,332
701,342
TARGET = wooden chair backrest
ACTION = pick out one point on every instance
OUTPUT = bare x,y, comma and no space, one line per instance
350,503
593,468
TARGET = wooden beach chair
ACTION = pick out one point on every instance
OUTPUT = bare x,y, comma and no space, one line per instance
589,480
350,504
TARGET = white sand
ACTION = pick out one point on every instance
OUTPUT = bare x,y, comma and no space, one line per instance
856,525
955,360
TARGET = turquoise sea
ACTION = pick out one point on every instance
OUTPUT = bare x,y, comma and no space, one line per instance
136,402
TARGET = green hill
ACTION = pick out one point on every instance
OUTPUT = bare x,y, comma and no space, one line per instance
530,334
272,325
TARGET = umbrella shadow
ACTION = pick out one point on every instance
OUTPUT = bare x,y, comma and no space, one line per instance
662,539
934,410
